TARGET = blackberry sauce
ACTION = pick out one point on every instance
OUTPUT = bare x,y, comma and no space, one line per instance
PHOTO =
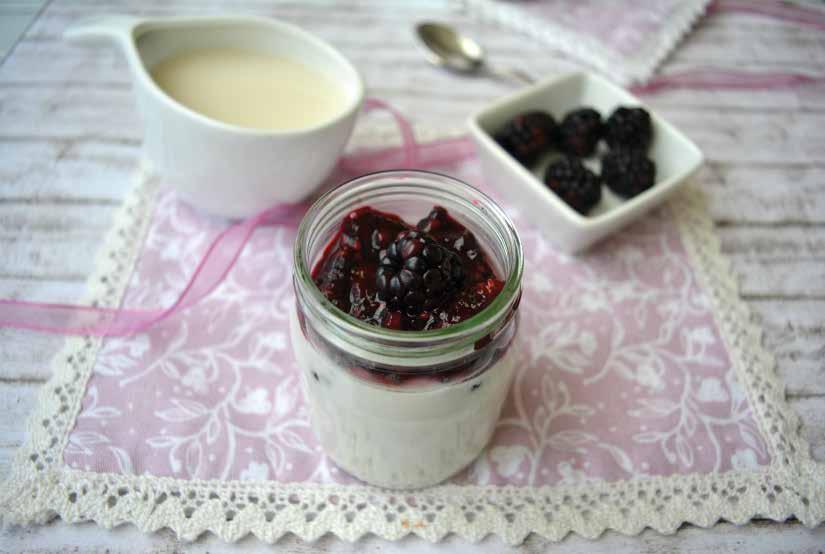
348,272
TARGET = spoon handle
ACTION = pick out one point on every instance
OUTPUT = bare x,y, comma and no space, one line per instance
511,74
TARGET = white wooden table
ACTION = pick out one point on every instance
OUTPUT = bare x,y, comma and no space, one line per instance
70,137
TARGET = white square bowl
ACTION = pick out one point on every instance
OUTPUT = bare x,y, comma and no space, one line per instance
676,158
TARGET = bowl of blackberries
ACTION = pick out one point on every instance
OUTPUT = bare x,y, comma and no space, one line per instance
580,157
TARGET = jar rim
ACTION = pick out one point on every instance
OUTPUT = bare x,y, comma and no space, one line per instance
469,330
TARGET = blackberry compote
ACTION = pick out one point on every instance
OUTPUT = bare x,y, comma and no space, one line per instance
388,273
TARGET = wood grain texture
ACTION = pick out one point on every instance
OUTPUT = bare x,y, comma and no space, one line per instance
760,537
70,139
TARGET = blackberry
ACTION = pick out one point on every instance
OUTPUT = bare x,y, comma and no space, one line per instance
628,128
628,172
436,221
415,273
574,183
580,132
528,135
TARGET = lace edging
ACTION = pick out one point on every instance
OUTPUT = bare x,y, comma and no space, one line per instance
41,487
636,68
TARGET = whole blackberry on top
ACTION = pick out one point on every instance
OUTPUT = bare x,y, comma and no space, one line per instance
628,128
528,135
579,187
415,273
580,132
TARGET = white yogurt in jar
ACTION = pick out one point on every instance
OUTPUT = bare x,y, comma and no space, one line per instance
411,435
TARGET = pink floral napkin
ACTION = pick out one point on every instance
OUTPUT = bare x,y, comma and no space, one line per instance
626,39
623,373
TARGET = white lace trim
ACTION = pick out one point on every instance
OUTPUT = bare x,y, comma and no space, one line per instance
625,69
41,487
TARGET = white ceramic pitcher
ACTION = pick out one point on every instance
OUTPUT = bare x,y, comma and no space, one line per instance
225,169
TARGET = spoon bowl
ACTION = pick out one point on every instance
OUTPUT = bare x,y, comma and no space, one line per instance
447,48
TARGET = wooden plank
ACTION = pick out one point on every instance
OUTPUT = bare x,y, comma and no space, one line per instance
794,331
760,193
6,459
42,290
68,112
801,98
58,170
813,423
17,400
46,62
26,356
393,8
23,5
55,244
311,15
781,261
13,22
775,46
753,137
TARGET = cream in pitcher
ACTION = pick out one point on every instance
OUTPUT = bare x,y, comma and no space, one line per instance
249,89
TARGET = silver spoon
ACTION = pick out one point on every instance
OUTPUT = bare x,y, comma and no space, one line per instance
447,48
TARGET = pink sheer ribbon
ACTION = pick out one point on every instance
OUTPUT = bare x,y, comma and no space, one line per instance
723,79
220,257
783,11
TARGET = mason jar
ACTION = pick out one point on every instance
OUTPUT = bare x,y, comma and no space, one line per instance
405,409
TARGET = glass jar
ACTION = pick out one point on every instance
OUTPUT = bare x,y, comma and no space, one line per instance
405,409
